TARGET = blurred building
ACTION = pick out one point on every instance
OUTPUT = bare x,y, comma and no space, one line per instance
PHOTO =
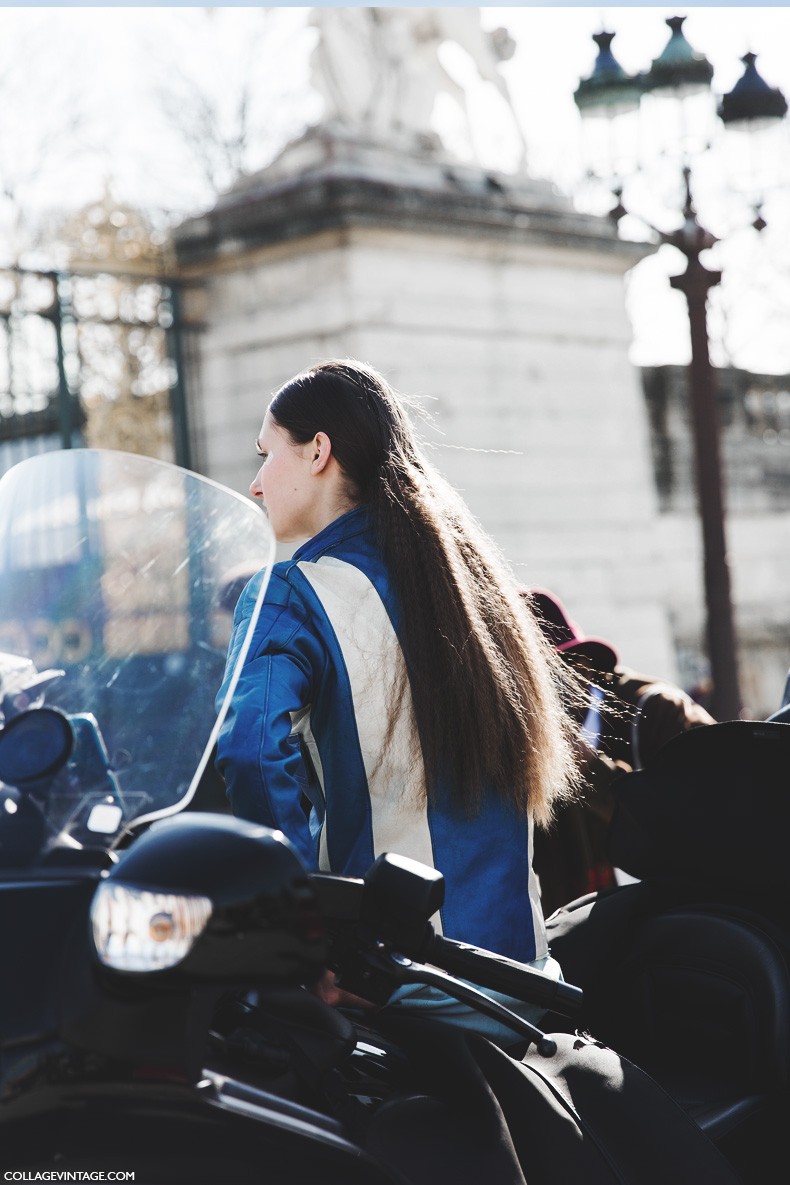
755,420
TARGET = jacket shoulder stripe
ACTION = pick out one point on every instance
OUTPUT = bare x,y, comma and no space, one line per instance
376,673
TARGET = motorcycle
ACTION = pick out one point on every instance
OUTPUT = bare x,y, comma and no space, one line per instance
156,1016
686,969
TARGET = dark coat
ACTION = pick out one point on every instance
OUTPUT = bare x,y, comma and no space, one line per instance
641,714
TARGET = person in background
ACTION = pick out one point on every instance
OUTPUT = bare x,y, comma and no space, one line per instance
395,679
626,719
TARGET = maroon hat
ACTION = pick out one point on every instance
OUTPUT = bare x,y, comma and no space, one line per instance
564,634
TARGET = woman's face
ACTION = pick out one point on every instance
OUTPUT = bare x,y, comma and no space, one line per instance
284,483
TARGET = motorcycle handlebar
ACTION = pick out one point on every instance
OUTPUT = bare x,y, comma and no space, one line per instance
346,902
504,975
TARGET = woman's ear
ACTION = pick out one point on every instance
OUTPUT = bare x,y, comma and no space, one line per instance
321,447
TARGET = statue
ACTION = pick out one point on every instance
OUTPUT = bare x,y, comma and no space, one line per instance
379,70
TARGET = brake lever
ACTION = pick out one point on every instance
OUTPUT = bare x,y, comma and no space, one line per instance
404,970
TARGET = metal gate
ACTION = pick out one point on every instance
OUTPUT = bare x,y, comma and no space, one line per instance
91,359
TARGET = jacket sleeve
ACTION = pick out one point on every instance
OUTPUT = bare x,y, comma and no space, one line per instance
257,753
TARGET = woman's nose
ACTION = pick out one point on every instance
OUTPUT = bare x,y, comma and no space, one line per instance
255,486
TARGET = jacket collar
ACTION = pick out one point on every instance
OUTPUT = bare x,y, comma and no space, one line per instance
353,522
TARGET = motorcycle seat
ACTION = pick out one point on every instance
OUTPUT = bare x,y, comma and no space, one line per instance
700,998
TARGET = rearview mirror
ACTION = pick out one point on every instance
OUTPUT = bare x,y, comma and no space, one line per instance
34,745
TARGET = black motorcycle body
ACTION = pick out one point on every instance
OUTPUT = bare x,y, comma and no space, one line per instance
687,969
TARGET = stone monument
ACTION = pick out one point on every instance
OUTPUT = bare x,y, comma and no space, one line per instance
482,293
397,73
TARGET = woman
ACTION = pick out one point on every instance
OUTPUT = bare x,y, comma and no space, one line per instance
396,680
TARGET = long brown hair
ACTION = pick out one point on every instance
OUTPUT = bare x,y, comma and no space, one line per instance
488,691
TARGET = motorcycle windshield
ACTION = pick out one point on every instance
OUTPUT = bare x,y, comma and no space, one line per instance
119,575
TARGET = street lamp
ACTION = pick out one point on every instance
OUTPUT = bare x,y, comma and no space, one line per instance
610,91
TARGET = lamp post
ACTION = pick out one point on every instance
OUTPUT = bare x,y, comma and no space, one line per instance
610,90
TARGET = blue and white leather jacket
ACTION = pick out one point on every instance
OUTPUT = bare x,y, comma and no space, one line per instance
309,717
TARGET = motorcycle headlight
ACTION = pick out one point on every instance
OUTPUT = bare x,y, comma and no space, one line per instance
210,897
140,930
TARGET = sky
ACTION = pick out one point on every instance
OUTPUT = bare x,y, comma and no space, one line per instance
107,68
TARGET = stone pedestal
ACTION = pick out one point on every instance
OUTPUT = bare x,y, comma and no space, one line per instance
489,300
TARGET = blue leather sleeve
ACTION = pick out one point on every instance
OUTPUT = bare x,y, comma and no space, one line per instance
257,754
